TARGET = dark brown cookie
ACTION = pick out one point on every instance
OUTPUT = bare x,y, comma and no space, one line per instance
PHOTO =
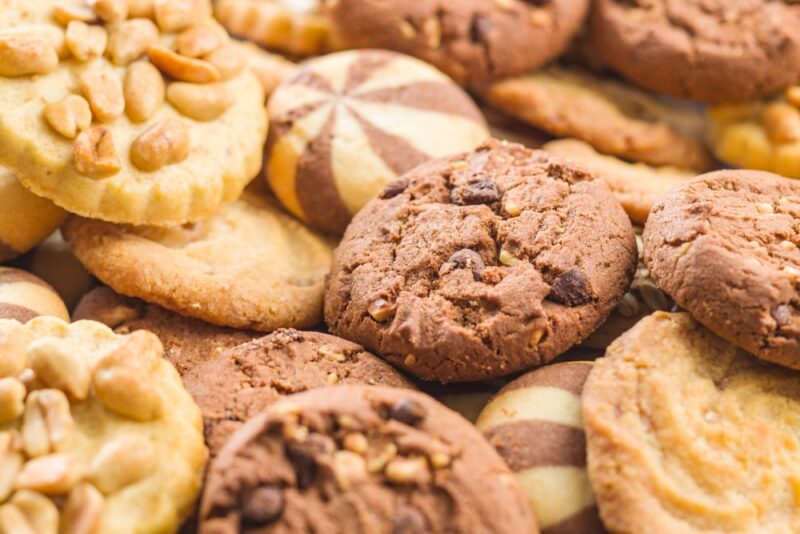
361,459
242,381
725,247
471,40
710,50
479,265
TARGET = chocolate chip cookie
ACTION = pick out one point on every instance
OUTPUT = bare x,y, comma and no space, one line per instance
479,265
361,459
726,247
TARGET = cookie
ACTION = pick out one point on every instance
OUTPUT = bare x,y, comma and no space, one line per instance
97,433
247,266
473,41
24,296
725,246
506,128
535,424
270,69
763,135
637,186
361,459
483,264
686,433
25,219
466,399
614,118
54,262
709,50
345,124
140,118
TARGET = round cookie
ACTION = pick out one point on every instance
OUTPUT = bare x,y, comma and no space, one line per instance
535,424
710,50
361,459
615,118
24,296
97,433
54,262
480,265
686,433
240,382
726,247
122,127
471,40
25,219
345,124
247,266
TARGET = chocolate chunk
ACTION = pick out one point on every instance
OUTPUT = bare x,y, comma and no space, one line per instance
482,192
303,456
409,520
394,188
468,259
262,506
408,411
571,288
782,314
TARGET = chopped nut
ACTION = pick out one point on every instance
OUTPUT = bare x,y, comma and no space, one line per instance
406,471
164,143
12,520
228,59
183,68
512,208
536,337
764,208
12,398
348,467
508,259
140,350
410,360
199,40
140,8
432,28
39,511
128,393
83,510
14,339
792,94
540,18
440,460
176,15
143,90
23,55
122,462
407,30
111,11
381,310
48,425
200,102
376,463
60,368
103,90
355,442
11,461
792,273
130,40
85,42
332,378
331,355
53,474
69,115
787,245
95,154
781,122
64,14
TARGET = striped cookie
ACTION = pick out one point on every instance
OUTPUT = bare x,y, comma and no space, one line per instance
344,125
24,296
535,424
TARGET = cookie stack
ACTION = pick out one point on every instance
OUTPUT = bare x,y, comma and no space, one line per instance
443,266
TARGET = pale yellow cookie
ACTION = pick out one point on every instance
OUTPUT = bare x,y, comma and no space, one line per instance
24,296
126,118
97,433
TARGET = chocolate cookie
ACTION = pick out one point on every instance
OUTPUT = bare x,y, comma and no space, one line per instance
361,459
471,40
479,265
725,247
710,50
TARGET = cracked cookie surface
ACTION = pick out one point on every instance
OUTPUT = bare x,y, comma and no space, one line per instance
726,247
480,265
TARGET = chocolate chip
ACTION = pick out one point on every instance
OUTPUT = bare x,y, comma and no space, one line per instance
782,314
408,411
394,188
262,506
303,456
468,259
482,192
571,288
409,520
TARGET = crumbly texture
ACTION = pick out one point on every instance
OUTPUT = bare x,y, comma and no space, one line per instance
248,266
345,124
361,459
686,433
119,404
614,118
224,153
24,296
473,41
710,50
480,265
637,186
725,246
535,424
242,381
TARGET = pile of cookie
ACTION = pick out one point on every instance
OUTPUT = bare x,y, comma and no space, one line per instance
406,267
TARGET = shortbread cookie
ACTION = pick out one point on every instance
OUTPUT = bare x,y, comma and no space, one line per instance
24,296
471,40
129,120
614,118
637,186
482,264
97,433
25,219
535,424
293,26
345,124
248,266
270,69
726,247
686,433
239,383
764,134
710,50
361,459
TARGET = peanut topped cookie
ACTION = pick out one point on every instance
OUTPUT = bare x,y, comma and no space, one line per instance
482,264
97,433
142,115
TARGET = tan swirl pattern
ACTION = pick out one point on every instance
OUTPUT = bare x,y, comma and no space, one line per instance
24,296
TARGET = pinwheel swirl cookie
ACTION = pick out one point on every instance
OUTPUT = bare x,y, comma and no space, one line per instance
124,114
346,124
